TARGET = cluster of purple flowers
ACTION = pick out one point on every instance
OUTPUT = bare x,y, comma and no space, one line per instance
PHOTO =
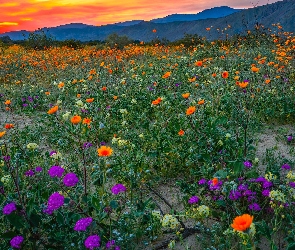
29,99
55,201
92,242
9,208
111,244
70,179
193,199
56,171
82,224
118,188
16,241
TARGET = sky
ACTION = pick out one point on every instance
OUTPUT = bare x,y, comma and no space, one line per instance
33,14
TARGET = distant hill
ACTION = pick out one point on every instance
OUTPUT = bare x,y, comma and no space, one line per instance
282,12
215,12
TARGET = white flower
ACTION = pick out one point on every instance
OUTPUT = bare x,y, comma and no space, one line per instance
203,211
79,103
66,115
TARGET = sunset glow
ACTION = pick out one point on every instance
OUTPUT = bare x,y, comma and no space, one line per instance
33,14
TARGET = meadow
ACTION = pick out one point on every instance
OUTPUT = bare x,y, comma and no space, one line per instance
141,147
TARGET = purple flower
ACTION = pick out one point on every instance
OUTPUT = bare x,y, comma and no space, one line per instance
260,179
292,184
23,99
56,171
6,158
87,145
243,187
93,241
17,241
111,244
70,179
234,195
286,166
118,188
52,153
215,187
193,199
25,105
82,224
29,173
248,164
202,182
265,192
30,99
55,201
289,138
255,207
267,184
9,208
38,169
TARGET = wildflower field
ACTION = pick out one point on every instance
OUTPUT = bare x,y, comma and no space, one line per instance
91,137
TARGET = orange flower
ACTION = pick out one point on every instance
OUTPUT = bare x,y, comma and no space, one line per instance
89,100
254,69
224,74
214,74
52,110
267,81
201,102
199,63
7,102
242,223
154,30
47,93
181,132
157,101
9,126
115,97
104,151
87,121
243,84
60,85
76,119
78,95
192,79
208,29
104,88
2,133
190,110
166,75
186,95
215,181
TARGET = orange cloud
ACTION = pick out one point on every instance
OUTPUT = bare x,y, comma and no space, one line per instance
34,14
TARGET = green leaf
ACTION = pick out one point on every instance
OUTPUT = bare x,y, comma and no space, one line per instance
60,218
16,221
291,246
220,174
8,235
114,204
35,219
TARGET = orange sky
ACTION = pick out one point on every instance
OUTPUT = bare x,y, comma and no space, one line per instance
33,14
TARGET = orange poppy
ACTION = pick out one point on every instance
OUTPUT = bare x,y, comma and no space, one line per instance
86,121
60,85
242,223
224,74
267,81
181,132
208,29
186,95
76,119
190,110
89,100
2,133
115,97
255,69
192,79
9,126
215,181
199,63
47,93
78,95
104,88
214,74
154,30
7,102
104,151
52,110
166,75
243,84
201,102
157,101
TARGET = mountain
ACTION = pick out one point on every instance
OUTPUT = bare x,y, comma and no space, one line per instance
282,12
215,12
